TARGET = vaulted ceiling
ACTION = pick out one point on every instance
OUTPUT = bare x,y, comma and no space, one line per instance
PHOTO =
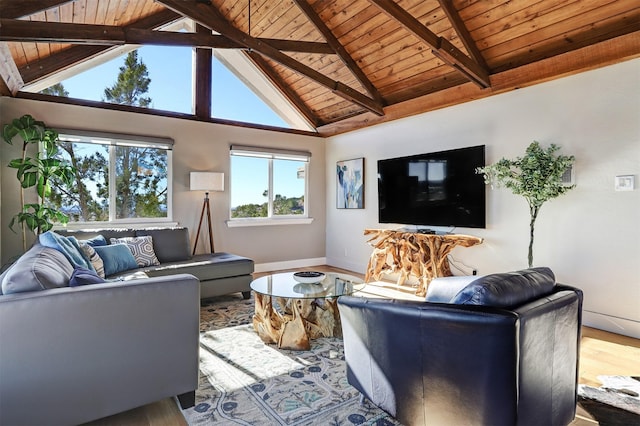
342,64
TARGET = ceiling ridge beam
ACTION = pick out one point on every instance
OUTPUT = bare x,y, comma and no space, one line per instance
75,54
12,9
335,44
64,32
463,33
441,48
207,15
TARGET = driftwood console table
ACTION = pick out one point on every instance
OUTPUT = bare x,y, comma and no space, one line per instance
409,253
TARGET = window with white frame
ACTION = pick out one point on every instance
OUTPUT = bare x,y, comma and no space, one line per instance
120,178
268,183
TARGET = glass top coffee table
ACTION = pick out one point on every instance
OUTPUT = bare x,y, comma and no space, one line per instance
289,313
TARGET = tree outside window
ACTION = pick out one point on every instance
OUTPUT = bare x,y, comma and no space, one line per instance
139,174
267,185
117,179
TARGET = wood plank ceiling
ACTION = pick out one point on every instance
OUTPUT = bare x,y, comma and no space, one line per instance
343,64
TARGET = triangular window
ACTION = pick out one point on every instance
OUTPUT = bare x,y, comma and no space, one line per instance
233,100
171,86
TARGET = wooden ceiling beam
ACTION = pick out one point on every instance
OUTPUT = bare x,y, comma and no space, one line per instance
59,61
60,32
9,71
76,54
207,15
284,88
441,47
463,32
109,35
591,57
339,49
12,9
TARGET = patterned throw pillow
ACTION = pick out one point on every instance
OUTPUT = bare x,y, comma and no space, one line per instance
141,248
93,257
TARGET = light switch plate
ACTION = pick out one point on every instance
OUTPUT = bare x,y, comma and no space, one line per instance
625,183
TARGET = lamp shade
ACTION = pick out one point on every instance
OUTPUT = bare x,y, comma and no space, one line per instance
206,181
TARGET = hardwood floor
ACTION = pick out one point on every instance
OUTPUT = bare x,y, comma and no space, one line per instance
601,353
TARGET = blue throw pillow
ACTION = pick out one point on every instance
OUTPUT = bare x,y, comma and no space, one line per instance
83,276
116,258
96,241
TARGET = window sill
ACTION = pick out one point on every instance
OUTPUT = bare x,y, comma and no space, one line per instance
141,223
239,223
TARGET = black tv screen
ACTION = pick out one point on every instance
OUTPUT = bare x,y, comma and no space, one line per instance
437,189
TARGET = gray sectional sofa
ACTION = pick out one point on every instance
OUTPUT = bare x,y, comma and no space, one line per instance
219,273
69,355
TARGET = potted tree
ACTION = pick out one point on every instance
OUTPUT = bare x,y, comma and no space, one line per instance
39,171
537,176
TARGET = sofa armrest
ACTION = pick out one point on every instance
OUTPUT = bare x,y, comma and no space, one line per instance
88,352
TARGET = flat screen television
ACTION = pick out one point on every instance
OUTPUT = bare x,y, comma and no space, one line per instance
433,189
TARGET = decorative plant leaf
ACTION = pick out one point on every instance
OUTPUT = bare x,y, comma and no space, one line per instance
37,171
28,179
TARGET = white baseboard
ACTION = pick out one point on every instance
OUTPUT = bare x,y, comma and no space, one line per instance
616,325
289,264
346,264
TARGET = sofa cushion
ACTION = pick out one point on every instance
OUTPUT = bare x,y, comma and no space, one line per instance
116,258
38,269
170,244
83,276
225,265
507,289
141,248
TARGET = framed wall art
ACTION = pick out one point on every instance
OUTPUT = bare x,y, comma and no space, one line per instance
350,184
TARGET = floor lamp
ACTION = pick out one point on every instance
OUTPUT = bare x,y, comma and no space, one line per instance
206,181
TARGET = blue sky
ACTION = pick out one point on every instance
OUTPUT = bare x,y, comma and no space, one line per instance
249,187
170,88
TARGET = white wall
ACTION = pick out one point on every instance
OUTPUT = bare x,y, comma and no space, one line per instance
590,237
198,147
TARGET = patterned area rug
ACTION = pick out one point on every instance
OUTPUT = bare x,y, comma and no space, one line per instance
615,403
245,382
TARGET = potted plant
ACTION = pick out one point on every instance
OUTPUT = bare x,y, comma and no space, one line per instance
537,176
39,171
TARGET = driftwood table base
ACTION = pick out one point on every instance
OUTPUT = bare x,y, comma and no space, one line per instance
408,253
292,323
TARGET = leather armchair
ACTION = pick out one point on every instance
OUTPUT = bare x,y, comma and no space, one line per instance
503,351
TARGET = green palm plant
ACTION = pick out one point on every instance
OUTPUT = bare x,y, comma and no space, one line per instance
537,176
39,171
